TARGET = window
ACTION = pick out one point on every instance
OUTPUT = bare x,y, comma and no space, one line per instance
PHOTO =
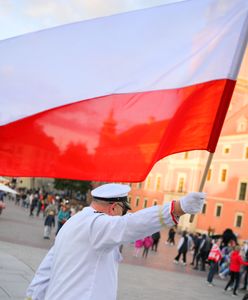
158,183
139,185
209,175
226,150
223,175
186,155
242,124
129,200
148,182
242,190
218,210
204,208
145,203
180,185
137,201
238,220
246,152
155,202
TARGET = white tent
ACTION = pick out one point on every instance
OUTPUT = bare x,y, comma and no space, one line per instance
2,179
7,189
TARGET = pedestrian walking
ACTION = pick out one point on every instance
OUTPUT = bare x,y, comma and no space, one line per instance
83,263
214,259
2,204
183,247
156,238
147,244
235,264
138,246
202,255
39,204
51,207
245,271
63,216
49,222
225,262
196,244
171,236
33,203
228,237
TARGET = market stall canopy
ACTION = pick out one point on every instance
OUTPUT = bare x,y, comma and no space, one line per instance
7,189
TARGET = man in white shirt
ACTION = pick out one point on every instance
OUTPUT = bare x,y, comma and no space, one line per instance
83,263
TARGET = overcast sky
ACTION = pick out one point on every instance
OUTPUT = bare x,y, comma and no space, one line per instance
22,16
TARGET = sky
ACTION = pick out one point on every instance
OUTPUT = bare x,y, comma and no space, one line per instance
22,16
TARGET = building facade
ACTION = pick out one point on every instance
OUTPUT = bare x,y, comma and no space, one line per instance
227,179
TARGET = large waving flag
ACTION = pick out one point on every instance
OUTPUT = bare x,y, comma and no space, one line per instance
105,99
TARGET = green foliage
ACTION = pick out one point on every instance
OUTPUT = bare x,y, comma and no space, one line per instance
72,185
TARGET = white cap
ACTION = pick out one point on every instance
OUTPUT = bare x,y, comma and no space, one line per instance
111,190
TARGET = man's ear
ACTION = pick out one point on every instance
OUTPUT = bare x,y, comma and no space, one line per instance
111,208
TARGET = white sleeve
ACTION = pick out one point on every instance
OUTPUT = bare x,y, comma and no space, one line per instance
38,286
109,231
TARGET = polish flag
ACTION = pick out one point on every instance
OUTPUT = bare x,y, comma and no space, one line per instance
105,99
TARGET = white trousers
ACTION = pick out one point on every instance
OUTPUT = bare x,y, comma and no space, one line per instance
47,231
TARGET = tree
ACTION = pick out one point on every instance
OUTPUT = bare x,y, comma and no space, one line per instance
72,186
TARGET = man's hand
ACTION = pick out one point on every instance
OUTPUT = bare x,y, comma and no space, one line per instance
193,202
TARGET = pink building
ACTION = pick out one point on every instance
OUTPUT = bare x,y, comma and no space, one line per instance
227,181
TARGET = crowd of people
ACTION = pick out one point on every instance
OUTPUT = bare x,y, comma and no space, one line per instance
54,207
220,255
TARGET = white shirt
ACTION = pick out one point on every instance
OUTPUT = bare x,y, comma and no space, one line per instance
83,263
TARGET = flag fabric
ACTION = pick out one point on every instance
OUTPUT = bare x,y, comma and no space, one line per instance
105,99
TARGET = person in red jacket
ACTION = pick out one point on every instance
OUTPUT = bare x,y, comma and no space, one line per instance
235,263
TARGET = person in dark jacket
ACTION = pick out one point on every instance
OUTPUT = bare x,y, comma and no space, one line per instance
227,237
183,247
156,237
49,222
171,236
204,248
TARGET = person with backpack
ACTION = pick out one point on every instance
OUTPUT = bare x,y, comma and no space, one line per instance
202,255
214,259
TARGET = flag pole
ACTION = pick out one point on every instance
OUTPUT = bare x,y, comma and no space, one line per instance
203,180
